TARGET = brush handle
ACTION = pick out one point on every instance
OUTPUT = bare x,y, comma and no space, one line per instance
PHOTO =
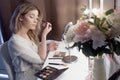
55,58
55,64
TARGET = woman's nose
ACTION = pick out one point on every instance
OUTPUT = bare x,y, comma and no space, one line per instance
35,20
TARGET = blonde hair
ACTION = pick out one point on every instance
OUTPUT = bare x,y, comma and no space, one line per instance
15,23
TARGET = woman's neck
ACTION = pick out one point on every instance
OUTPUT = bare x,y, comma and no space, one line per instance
23,33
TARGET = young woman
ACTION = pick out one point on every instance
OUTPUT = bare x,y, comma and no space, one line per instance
26,52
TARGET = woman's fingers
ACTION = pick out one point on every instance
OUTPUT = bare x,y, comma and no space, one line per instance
53,45
47,28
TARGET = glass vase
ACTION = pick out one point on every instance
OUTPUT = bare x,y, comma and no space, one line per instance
99,72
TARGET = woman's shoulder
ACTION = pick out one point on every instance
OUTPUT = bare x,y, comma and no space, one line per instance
16,39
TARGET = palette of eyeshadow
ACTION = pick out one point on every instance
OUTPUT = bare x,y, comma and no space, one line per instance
49,73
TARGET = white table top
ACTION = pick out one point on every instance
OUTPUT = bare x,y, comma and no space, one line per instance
77,70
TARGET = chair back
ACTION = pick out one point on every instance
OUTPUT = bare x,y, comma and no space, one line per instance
7,60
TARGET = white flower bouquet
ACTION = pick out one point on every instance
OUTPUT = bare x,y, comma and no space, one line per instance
96,36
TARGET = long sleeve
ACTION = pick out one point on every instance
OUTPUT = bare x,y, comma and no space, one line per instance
24,50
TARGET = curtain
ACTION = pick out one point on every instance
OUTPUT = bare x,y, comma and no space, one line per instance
60,12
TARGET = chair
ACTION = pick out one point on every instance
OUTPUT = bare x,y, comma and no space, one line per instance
7,61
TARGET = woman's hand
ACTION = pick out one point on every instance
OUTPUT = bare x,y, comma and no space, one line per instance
53,46
43,48
47,28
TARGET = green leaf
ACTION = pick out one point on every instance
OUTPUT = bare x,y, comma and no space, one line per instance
103,29
102,21
110,11
88,50
117,48
97,21
77,44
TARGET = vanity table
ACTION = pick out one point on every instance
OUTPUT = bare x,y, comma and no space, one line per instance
76,70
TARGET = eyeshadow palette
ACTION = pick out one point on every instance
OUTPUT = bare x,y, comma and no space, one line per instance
49,73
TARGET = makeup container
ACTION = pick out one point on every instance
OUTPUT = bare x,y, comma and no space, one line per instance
49,73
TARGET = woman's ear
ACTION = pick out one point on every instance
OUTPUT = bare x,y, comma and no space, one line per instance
20,18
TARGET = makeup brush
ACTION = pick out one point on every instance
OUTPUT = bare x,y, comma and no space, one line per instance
58,64
55,58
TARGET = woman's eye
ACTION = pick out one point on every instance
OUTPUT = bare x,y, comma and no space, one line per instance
31,16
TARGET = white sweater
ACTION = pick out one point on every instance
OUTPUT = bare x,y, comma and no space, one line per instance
24,53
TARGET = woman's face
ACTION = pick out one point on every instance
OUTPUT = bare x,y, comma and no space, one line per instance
30,20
